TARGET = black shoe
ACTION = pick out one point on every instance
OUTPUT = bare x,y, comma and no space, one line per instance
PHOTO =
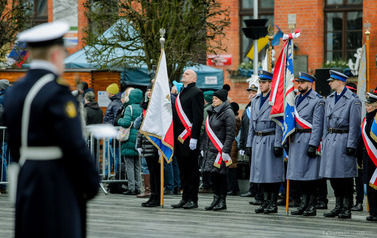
180,204
233,193
262,207
176,191
247,195
272,208
371,218
168,192
337,209
256,202
213,204
221,205
346,210
310,211
321,205
154,203
130,192
151,198
358,207
190,205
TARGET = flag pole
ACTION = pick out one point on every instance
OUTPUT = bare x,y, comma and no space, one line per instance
367,33
269,51
162,42
292,26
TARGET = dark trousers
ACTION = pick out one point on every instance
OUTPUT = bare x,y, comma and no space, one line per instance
322,190
232,180
359,187
189,170
372,200
219,184
343,187
155,173
307,187
271,187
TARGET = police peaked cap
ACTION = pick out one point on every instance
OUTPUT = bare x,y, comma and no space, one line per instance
305,77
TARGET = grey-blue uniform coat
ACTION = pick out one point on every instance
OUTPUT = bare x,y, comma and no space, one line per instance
300,165
51,194
345,114
265,166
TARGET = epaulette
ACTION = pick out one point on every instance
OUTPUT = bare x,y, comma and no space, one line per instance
355,95
319,95
62,81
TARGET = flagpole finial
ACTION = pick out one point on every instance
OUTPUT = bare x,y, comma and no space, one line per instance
162,39
367,26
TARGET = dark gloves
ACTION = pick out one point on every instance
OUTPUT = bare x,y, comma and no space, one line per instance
248,151
278,151
312,151
350,151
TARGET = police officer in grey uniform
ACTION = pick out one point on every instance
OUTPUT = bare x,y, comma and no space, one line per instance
303,161
264,143
341,132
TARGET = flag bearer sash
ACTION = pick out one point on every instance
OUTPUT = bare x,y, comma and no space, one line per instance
185,121
306,125
372,152
219,146
299,120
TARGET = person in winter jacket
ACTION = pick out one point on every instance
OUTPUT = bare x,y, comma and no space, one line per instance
233,188
128,148
217,145
93,112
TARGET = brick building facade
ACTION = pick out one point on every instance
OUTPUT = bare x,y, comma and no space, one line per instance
316,32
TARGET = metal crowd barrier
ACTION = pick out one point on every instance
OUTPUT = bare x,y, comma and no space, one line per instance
106,152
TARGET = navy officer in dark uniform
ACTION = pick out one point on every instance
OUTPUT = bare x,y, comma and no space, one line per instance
57,174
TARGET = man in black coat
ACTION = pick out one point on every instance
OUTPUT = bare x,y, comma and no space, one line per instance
187,119
57,175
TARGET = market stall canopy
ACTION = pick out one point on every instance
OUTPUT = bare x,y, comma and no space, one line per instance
208,77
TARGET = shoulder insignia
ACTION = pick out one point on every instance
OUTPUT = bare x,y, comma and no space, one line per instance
70,109
320,96
62,81
357,103
321,103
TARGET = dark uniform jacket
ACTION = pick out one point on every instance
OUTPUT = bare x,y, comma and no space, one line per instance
51,194
222,122
94,113
192,101
112,109
244,128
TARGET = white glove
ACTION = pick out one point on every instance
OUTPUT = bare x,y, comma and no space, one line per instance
193,143
202,153
242,152
140,151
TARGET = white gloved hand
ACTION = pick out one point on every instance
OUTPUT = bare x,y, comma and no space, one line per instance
202,153
140,151
242,152
193,143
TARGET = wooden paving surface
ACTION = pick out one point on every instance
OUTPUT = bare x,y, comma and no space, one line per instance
122,216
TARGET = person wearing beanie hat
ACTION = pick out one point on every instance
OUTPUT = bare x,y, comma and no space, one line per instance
220,126
341,132
112,89
233,188
208,96
206,185
369,135
221,94
264,146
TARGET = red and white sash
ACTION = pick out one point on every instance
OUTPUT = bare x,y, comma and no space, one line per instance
306,125
219,146
185,121
372,152
301,121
